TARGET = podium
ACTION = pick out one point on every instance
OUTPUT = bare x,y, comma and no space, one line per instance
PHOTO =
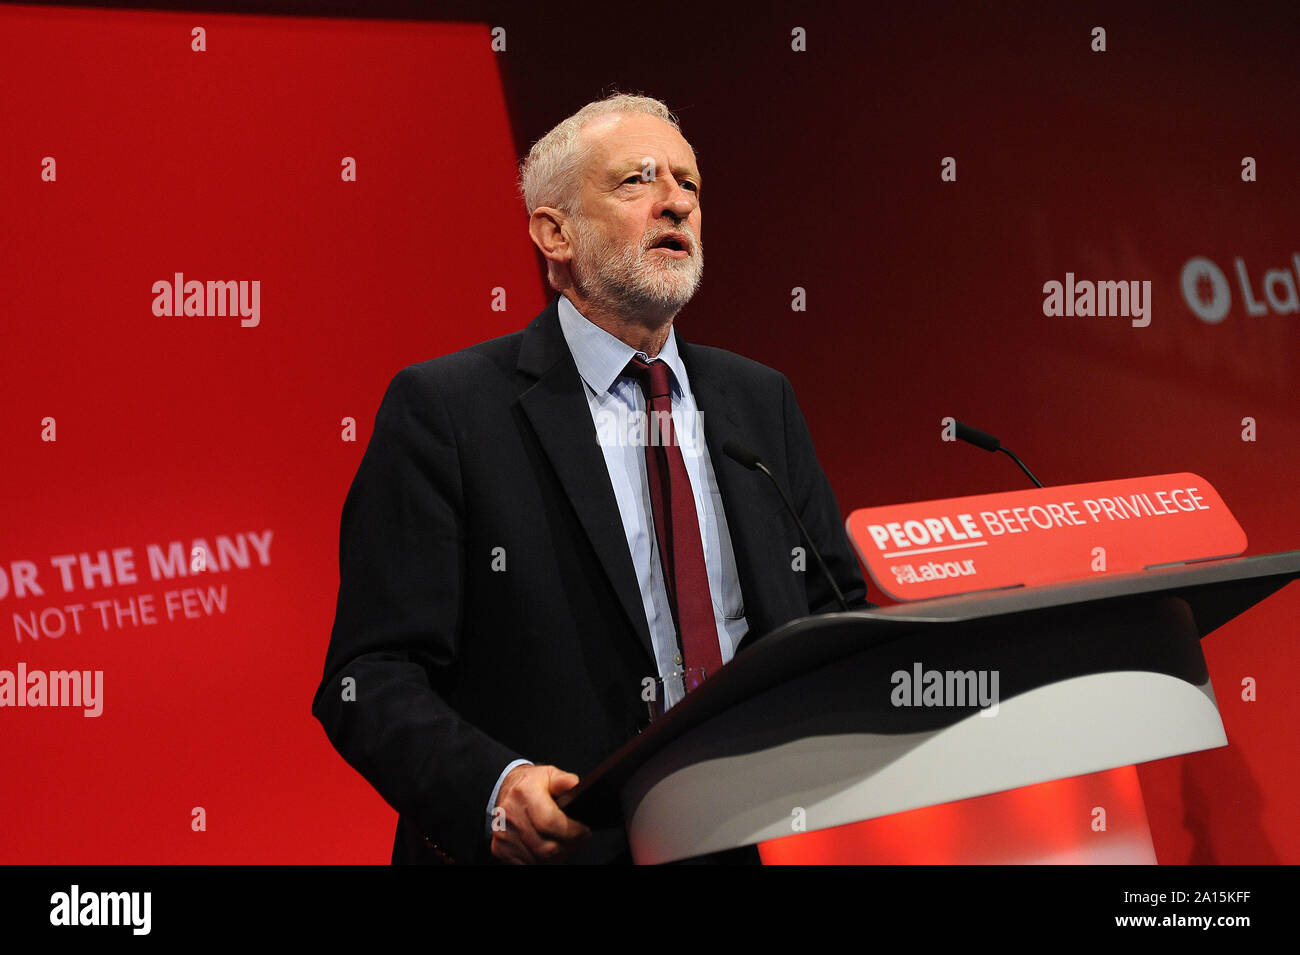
825,719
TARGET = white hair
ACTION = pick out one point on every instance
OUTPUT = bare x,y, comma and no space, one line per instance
551,173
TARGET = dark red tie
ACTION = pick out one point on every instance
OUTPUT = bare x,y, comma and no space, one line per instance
677,524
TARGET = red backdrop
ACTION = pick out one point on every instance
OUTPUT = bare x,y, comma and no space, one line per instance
924,300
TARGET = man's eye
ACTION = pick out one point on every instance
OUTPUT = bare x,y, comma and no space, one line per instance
636,178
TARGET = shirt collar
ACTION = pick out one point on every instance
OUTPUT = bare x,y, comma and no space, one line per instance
601,357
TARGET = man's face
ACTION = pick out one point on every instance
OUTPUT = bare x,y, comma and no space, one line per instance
636,238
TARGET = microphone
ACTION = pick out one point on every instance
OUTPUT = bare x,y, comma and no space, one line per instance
986,441
748,459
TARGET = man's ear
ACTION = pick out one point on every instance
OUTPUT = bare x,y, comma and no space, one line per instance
546,229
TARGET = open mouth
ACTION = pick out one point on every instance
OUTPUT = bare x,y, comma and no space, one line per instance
672,243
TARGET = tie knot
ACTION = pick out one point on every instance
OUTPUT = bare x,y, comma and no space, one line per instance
652,376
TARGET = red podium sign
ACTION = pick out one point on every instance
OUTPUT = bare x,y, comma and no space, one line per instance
1042,535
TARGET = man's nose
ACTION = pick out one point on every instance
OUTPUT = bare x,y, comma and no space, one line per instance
679,203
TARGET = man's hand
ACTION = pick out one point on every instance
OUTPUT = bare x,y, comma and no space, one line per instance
537,830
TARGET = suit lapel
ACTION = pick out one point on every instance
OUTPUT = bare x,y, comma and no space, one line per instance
557,408
744,499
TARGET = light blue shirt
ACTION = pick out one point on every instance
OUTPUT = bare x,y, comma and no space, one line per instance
618,411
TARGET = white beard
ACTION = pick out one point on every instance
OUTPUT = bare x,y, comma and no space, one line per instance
628,280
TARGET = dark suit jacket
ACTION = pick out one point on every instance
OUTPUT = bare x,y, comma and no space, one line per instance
488,608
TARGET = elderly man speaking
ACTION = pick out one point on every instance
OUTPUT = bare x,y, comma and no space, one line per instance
543,522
